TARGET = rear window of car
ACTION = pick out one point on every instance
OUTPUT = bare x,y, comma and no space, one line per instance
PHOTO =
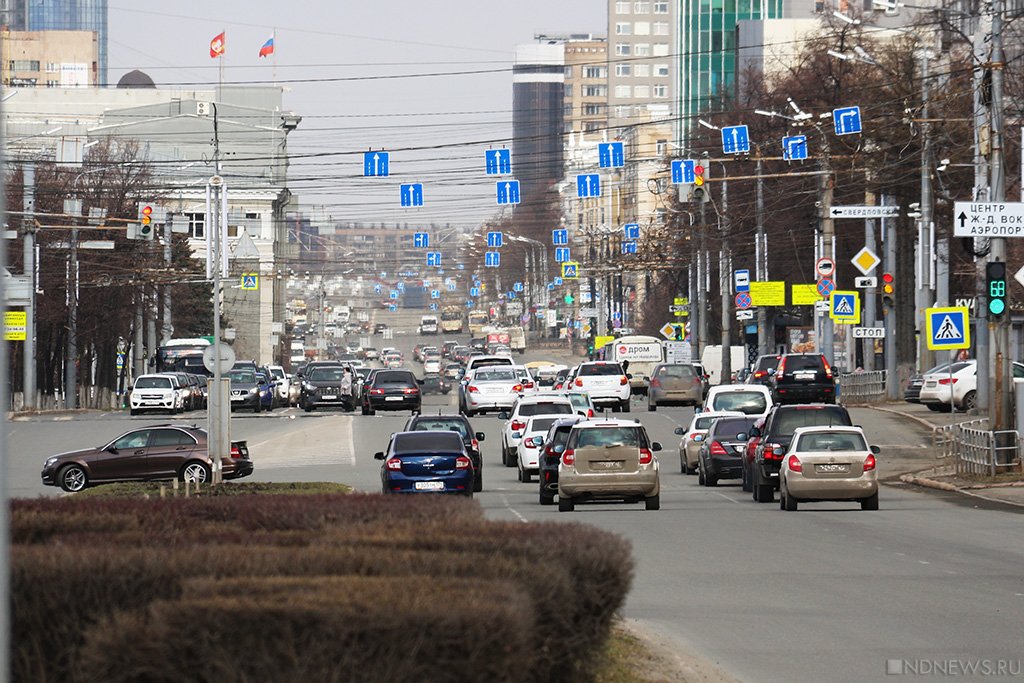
767,363
494,375
547,408
393,377
731,426
788,421
676,371
457,426
795,363
541,424
429,442
610,437
488,362
600,369
704,422
749,402
153,383
831,441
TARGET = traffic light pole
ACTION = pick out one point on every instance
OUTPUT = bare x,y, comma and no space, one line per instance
888,237
827,239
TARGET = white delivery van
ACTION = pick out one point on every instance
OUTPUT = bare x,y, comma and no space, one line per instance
712,361
429,324
642,353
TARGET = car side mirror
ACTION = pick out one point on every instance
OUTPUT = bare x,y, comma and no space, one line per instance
655,446
679,431
697,411
112,449
379,455
876,449
559,449
480,436
538,441
420,382
503,415
754,432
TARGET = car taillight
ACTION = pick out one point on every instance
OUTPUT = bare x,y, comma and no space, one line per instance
463,463
579,382
717,449
529,443
590,412
569,458
948,380
646,456
528,385
473,390
769,452
693,435
517,388
474,444
655,382
794,464
394,464
517,425
410,390
781,369
623,381
869,462
828,368
759,374
236,452
376,392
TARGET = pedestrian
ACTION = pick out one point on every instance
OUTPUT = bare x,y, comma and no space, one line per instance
625,367
346,388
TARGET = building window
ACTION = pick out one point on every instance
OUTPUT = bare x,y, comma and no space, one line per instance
661,147
661,49
622,7
52,84
661,8
642,70
593,109
595,72
642,28
595,91
661,70
623,111
623,69
593,125
196,225
661,28
661,91
568,91
623,91
623,28
623,49
52,68
642,49
642,92
642,7
568,72
24,65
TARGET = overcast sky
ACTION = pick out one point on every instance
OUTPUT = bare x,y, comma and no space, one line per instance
364,42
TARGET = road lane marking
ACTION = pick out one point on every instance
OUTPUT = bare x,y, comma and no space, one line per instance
508,505
731,500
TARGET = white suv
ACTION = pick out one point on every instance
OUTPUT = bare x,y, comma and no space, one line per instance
606,383
155,392
524,408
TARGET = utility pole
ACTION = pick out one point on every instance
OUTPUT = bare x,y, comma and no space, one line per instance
5,522
888,237
926,230
981,194
72,207
28,223
725,288
703,263
166,330
827,240
764,340
870,314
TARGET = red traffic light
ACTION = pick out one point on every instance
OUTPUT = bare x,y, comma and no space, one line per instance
887,278
698,169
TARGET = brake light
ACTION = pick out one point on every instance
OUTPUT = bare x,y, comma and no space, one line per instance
410,390
579,382
828,368
794,464
569,458
769,452
474,444
376,392
463,463
528,385
759,374
717,449
869,462
517,388
623,381
517,425
590,412
473,390
236,452
549,450
646,456
529,443
394,464
948,380
655,382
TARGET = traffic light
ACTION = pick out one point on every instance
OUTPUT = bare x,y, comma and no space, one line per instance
700,189
888,290
146,229
995,276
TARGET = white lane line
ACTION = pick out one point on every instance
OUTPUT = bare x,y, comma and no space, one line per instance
504,499
924,562
350,442
731,500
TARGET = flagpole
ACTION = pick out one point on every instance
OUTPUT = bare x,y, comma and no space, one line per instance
273,36
220,69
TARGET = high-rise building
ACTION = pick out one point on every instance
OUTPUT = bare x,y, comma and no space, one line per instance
586,84
14,14
643,44
60,15
538,84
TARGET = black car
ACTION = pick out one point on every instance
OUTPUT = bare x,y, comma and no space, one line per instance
803,378
454,423
392,390
434,383
912,392
721,451
552,447
328,386
763,369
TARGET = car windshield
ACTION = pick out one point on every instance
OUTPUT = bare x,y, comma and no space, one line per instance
326,375
609,437
436,425
704,423
676,371
153,383
831,441
748,402
599,369
428,442
787,422
494,375
278,373
546,408
242,376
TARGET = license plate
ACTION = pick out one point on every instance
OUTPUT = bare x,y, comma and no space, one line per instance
430,486
832,468
328,397
607,465
393,398
803,376
237,398
930,385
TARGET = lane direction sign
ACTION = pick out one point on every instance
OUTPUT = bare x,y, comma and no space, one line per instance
562,254
494,239
735,140
683,172
588,185
507,191
421,240
412,194
433,258
492,259
611,154
631,231
846,120
375,164
947,328
560,237
794,147
498,161
629,247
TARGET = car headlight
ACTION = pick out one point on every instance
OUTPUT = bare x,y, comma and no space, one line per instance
254,390
309,387
51,461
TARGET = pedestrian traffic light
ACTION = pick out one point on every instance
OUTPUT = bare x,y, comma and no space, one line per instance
888,290
145,222
700,189
995,276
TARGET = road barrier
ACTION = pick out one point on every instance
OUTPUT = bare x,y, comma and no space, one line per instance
977,450
858,388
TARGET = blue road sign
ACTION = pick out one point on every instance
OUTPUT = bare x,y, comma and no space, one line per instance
741,279
400,286
948,328
492,259
735,140
433,307
845,307
560,237
517,287
435,294
588,185
629,247
507,191
412,194
825,286
377,289
846,120
611,154
494,239
794,148
631,231
616,315
451,286
433,258
394,294
551,285
474,291
469,303
426,284
562,254
375,164
558,281
421,239
498,161
510,295
393,308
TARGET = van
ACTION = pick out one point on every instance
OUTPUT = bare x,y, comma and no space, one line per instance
712,361
428,324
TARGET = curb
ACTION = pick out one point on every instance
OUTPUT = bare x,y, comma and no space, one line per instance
920,420
943,486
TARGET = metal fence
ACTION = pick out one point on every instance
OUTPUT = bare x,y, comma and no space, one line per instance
862,387
975,449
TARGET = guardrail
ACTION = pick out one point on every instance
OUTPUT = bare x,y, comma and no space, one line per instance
975,449
862,387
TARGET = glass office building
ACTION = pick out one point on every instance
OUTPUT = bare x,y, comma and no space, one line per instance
73,15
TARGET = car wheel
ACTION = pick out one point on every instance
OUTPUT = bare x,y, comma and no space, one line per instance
682,464
133,412
746,481
764,493
468,413
969,402
196,472
513,459
478,481
625,406
870,503
653,502
616,408
935,406
370,411
308,408
258,407
565,504
525,476
710,480
546,499
73,478
787,502
651,407
366,410
700,476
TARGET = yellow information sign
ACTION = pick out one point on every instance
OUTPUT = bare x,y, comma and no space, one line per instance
804,295
601,341
768,293
15,325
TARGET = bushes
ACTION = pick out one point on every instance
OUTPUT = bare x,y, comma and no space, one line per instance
302,575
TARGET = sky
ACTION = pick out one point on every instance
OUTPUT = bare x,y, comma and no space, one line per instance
338,62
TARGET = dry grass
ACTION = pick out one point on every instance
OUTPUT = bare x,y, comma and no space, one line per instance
151,489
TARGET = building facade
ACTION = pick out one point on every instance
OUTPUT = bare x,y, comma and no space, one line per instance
68,15
538,97
586,85
49,59
642,56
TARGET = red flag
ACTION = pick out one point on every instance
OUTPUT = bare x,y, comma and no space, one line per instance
217,45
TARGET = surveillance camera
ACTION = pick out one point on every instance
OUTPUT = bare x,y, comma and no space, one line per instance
817,205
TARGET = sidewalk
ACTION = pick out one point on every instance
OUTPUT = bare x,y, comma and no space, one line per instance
1007,488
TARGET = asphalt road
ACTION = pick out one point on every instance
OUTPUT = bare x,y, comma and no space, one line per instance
830,593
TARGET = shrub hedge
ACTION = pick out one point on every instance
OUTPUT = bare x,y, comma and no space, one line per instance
85,573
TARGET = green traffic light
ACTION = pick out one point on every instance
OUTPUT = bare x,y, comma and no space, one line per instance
996,306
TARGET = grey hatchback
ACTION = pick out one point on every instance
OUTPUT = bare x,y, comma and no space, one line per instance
674,385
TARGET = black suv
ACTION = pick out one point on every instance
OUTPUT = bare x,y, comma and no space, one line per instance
392,390
454,423
803,378
551,454
761,475
721,451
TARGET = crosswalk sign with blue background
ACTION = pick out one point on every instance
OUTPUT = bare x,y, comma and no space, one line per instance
560,237
610,155
507,191
570,270
498,161
250,281
947,328
735,140
845,308
588,185
375,164
846,120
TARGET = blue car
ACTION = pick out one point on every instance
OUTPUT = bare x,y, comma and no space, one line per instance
266,387
426,462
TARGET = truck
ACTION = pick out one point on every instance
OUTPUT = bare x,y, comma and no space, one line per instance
428,324
517,339
342,314
641,353
452,319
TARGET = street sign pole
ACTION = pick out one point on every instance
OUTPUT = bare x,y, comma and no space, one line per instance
827,237
868,345
888,236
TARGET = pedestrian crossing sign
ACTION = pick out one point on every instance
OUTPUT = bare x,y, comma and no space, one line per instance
845,308
250,281
948,328
570,270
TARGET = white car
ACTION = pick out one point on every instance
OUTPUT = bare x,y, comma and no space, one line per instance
155,392
941,383
484,361
524,408
693,436
277,374
432,366
606,383
527,452
828,463
749,399
489,388
530,385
